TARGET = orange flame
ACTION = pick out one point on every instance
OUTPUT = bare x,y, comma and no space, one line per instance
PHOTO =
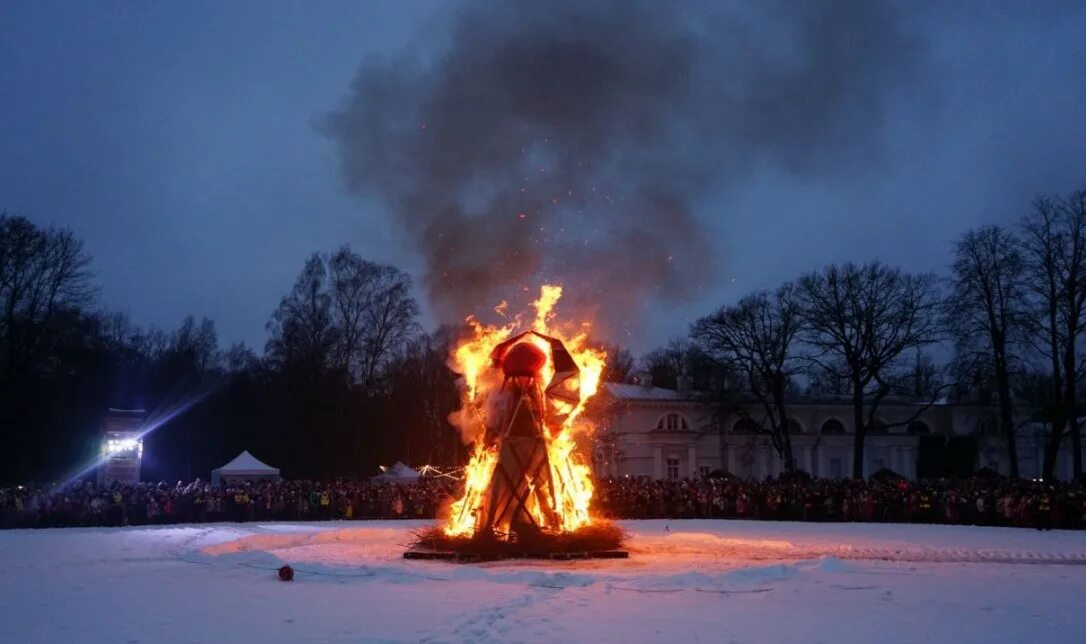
571,475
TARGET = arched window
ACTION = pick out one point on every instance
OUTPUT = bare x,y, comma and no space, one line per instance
673,423
877,427
833,426
919,428
745,425
794,426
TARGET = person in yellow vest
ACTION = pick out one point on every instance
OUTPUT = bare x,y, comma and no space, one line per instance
925,507
326,505
241,505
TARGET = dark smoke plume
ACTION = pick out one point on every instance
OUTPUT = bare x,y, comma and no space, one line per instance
574,141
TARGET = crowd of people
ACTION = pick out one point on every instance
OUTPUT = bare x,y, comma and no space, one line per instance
979,500
86,504
987,500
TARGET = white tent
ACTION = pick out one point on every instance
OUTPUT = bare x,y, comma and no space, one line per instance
245,467
398,473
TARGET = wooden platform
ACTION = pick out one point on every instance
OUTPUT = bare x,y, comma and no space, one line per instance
472,557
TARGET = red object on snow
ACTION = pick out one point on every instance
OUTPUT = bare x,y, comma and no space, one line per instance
286,573
523,359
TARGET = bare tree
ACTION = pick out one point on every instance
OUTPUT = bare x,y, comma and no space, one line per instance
620,364
986,314
238,357
1054,243
345,314
302,330
350,284
153,343
42,273
859,321
117,329
828,381
422,393
922,381
196,345
754,339
667,364
1034,389
388,323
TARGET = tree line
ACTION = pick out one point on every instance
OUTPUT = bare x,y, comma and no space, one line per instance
1011,309
348,379
345,370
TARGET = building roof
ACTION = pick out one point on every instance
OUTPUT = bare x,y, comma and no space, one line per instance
624,391
123,420
628,391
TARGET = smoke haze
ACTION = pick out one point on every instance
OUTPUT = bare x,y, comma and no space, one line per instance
570,143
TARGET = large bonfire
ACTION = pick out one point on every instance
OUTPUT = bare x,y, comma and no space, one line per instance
527,487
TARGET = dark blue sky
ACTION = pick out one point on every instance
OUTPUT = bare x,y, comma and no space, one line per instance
180,141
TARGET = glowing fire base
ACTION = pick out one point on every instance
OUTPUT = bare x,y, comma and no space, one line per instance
601,540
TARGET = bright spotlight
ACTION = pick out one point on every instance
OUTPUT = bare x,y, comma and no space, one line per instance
122,446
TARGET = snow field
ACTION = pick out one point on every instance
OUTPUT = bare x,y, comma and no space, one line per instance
713,581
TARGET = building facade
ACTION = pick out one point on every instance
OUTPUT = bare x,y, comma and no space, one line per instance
668,434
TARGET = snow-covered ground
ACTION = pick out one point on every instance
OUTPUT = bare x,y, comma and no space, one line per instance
712,581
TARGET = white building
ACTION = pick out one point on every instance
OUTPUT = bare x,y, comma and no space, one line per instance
668,434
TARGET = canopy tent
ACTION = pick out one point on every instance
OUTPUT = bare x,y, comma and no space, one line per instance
244,467
398,473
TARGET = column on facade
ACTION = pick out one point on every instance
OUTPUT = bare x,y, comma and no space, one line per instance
908,467
657,462
692,457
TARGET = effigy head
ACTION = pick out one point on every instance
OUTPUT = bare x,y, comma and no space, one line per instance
535,355
523,359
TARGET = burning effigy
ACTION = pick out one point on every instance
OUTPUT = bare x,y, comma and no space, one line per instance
528,485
